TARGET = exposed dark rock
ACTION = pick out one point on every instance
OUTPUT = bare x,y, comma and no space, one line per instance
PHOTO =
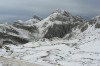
78,19
58,30
0,46
59,17
81,25
12,31
84,27
67,14
28,28
7,48
15,39
37,17
7,42
97,25
93,21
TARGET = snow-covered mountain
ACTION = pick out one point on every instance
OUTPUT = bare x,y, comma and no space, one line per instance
58,40
58,24
20,32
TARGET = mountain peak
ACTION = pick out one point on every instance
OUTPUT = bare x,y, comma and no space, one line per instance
63,12
60,15
37,17
57,11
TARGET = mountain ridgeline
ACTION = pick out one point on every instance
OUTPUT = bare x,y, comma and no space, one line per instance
59,24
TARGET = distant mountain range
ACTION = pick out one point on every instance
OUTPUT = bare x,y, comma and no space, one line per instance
59,24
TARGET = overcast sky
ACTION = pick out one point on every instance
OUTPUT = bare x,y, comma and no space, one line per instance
12,10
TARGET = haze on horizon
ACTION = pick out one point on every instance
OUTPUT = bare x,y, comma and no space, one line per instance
12,10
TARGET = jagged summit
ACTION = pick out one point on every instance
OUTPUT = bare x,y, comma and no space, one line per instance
66,13
60,15
37,18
